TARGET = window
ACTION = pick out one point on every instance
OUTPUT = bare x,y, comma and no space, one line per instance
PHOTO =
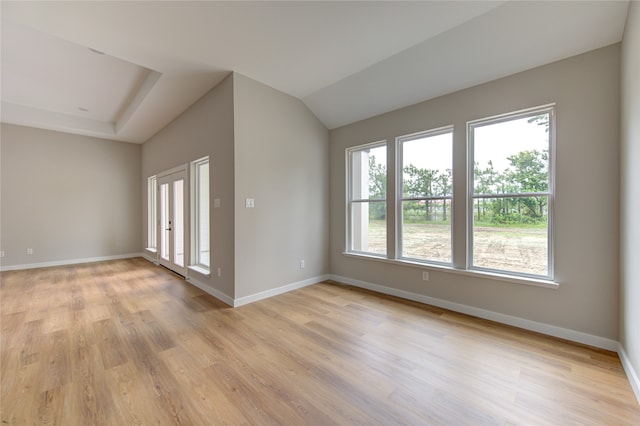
200,243
511,193
505,217
367,199
425,194
152,223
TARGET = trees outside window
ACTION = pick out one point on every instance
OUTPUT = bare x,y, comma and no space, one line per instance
509,209
426,187
512,193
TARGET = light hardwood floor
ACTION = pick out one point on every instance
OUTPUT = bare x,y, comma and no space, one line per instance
126,342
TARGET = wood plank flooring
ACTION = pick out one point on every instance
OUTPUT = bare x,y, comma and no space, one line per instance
126,342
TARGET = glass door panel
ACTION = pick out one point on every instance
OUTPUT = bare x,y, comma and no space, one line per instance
172,240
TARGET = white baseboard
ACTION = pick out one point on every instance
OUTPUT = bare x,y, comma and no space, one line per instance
257,296
211,291
146,256
551,330
278,290
202,286
251,298
632,374
68,262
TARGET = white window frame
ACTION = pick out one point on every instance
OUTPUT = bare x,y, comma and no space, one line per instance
550,194
400,198
196,263
350,231
152,219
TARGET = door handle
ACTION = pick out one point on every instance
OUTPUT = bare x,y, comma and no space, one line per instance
167,229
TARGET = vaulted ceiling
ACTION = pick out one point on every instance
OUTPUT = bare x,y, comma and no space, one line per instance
124,70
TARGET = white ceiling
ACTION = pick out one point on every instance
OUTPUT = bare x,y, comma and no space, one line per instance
346,60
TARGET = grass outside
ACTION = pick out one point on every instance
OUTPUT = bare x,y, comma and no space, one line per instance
517,249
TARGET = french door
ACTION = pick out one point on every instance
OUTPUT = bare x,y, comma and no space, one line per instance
172,193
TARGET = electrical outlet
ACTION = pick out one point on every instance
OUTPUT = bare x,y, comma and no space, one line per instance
2,253
29,251
250,203
425,276
302,264
219,272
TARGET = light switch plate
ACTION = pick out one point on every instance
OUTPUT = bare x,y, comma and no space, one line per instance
250,203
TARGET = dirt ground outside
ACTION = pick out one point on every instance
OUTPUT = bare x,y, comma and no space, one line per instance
512,249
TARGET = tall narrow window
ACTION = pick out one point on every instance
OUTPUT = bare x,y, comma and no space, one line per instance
165,221
200,214
367,199
426,189
511,193
152,222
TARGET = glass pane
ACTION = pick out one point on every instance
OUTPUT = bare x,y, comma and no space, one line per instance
203,215
427,165
165,221
511,234
369,173
369,227
512,156
178,222
426,230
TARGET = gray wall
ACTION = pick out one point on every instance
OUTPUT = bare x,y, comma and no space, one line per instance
630,191
281,160
264,145
67,197
206,128
586,91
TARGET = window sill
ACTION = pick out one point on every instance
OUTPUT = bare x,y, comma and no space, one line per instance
151,250
470,273
200,270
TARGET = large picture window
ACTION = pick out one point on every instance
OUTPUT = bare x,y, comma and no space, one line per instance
426,190
367,199
511,193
